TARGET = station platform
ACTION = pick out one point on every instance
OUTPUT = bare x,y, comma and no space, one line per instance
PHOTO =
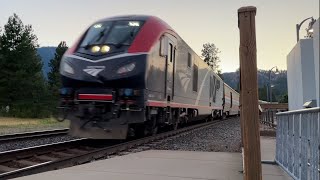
169,165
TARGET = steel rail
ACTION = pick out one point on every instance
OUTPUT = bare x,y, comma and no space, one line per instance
33,134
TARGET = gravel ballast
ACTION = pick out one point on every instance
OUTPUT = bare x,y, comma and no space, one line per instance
222,137
19,144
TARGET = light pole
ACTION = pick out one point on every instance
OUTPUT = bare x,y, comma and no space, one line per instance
298,26
265,84
269,87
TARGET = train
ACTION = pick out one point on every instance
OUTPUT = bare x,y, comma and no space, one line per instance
131,75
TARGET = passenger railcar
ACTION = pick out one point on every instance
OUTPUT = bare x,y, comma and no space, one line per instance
231,101
129,75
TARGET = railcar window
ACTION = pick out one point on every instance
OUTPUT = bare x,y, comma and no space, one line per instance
230,99
189,60
218,84
210,91
195,78
214,89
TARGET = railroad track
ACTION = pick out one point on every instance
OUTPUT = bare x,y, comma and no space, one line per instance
43,158
31,135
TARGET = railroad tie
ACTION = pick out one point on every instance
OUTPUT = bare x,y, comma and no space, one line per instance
78,151
6,168
47,158
62,154
26,162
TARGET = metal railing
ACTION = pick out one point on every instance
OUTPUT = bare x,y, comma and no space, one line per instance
269,118
298,143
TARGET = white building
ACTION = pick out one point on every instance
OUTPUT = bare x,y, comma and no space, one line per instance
316,59
303,71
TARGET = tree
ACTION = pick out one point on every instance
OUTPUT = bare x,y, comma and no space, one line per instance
210,54
54,79
2,108
284,98
220,74
263,93
0,46
22,85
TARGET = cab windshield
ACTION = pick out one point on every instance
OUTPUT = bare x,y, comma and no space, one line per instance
117,33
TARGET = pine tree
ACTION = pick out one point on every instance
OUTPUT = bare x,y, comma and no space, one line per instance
22,85
0,46
2,108
54,79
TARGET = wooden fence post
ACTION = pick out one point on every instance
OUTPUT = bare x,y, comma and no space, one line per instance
249,93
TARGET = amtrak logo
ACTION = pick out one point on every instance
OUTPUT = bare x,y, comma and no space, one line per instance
185,80
94,70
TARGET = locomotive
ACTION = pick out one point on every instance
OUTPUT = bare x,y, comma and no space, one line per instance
129,75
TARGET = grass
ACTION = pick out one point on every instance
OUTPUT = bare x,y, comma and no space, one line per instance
10,125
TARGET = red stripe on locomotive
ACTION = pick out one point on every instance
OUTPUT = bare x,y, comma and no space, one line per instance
149,34
103,97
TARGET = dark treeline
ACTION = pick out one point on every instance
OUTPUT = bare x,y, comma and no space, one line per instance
24,92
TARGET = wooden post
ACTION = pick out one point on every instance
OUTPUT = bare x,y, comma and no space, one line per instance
249,93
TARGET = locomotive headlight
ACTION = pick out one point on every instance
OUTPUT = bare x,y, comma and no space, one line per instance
105,49
127,68
95,49
65,67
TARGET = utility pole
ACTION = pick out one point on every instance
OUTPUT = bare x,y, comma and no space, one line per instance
249,93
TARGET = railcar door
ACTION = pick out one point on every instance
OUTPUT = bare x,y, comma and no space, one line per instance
170,62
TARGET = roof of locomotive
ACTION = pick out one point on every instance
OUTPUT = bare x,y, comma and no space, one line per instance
127,17
137,18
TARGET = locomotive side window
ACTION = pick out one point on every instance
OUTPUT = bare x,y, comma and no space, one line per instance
169,57
189,60
195,78
170,50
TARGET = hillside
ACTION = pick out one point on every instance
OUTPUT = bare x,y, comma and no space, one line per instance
46,54
278,80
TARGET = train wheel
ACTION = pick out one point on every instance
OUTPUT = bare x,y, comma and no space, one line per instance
224,116
140,131
152,126
61,114
154,131
176,124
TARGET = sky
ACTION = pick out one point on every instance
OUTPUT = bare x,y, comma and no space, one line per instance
196,21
